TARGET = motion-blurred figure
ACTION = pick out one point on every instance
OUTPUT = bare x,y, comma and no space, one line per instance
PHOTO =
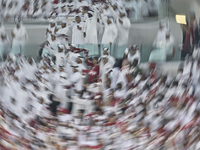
19,37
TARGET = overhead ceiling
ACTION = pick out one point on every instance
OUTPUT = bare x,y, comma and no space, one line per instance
185,6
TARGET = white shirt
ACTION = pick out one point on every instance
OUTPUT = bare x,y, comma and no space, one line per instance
77,35
20,34
110,32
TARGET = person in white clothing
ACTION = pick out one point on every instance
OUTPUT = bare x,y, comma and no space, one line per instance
51,29
37,12
165,51
60,55
110,33
128,5
91,38
76,83
106,10
78,32
19,37
2,29
152,7
9,11
63,14
123,25
132,53
141,9
161,34
53,43
105,68
111,59
5,46
46,7
80,64
64,32
81,3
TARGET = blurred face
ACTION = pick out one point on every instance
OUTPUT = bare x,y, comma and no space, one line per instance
106,7
100,141
53,70
119,86
41,101
30,61
10,5
45,67
53,38
105,61
98,112
80,114
89,15
160,26
63,25
134,51
78,19
108,21
135,62
3,37
63,9
52,25
18,26
74,70
122,15
115,7
60,50
79,61
94,61
167,37
61,69
13,101
105,53
108,83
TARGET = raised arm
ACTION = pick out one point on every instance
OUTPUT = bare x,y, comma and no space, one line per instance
103,19
89,63
50,50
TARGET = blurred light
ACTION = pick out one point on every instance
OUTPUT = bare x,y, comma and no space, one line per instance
181,19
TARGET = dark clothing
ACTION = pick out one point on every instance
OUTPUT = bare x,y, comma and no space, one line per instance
53,107
187,50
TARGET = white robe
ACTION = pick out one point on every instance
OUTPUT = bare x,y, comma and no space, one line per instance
77,35
114,76
104,70
2,30
77,80
81,4
65,31
60,57
91,30
141,9
110,32
123,29
54,44
19,40
122,77
163,50
47,9
131,58
5,47
160,37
